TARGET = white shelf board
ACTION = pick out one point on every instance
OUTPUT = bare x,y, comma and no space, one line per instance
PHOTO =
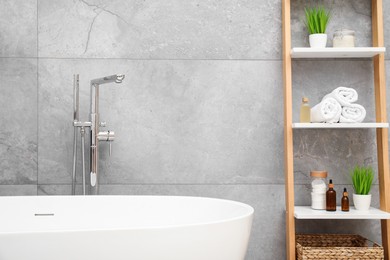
357,52
339,125
306,212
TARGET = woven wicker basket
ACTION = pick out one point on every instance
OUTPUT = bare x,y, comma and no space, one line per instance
335,246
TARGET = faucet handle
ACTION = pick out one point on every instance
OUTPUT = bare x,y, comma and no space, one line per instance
107,136
103,124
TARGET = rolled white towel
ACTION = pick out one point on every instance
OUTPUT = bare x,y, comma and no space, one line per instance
328,111
353,113
343,95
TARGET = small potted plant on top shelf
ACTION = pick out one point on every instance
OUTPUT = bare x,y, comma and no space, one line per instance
362,178
316,22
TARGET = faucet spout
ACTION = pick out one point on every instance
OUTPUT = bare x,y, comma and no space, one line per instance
117,78
94,116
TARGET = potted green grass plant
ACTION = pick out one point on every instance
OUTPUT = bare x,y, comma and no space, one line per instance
362,178
317,19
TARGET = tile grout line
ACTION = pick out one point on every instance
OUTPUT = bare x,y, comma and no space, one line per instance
186,184
166,184
173,59
134,59
37,98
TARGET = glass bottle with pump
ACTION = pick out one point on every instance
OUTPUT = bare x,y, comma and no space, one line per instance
305,111
331,198
345,201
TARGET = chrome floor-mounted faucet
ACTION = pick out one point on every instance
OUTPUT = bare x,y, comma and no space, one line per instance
95,134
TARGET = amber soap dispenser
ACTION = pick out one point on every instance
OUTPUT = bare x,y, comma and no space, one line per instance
331,198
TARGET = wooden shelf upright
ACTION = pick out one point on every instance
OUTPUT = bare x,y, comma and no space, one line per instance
381,118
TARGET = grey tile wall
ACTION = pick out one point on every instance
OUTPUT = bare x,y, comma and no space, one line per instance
200,112
63,189
175,121
18,190
354,15
172,29
18,27
18,113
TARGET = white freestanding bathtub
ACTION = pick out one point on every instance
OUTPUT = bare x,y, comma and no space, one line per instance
123,227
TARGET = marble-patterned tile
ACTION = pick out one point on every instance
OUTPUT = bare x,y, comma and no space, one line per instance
175,121
348,14
387,70
268,229
336,151
171,29
316,78
62,189
386,25
18,133
18,27
18,190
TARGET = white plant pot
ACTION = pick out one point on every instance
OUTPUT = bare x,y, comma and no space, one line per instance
318,40
362,202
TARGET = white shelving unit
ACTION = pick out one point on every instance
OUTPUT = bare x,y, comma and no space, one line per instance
357,52
306,212
338,125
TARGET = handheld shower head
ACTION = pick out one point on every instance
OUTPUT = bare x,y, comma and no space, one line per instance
117,78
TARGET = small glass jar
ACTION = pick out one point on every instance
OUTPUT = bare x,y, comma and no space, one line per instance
318,189
344,39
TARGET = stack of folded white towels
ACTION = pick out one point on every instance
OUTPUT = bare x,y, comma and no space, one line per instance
338,107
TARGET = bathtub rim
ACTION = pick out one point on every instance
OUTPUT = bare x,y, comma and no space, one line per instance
248,214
